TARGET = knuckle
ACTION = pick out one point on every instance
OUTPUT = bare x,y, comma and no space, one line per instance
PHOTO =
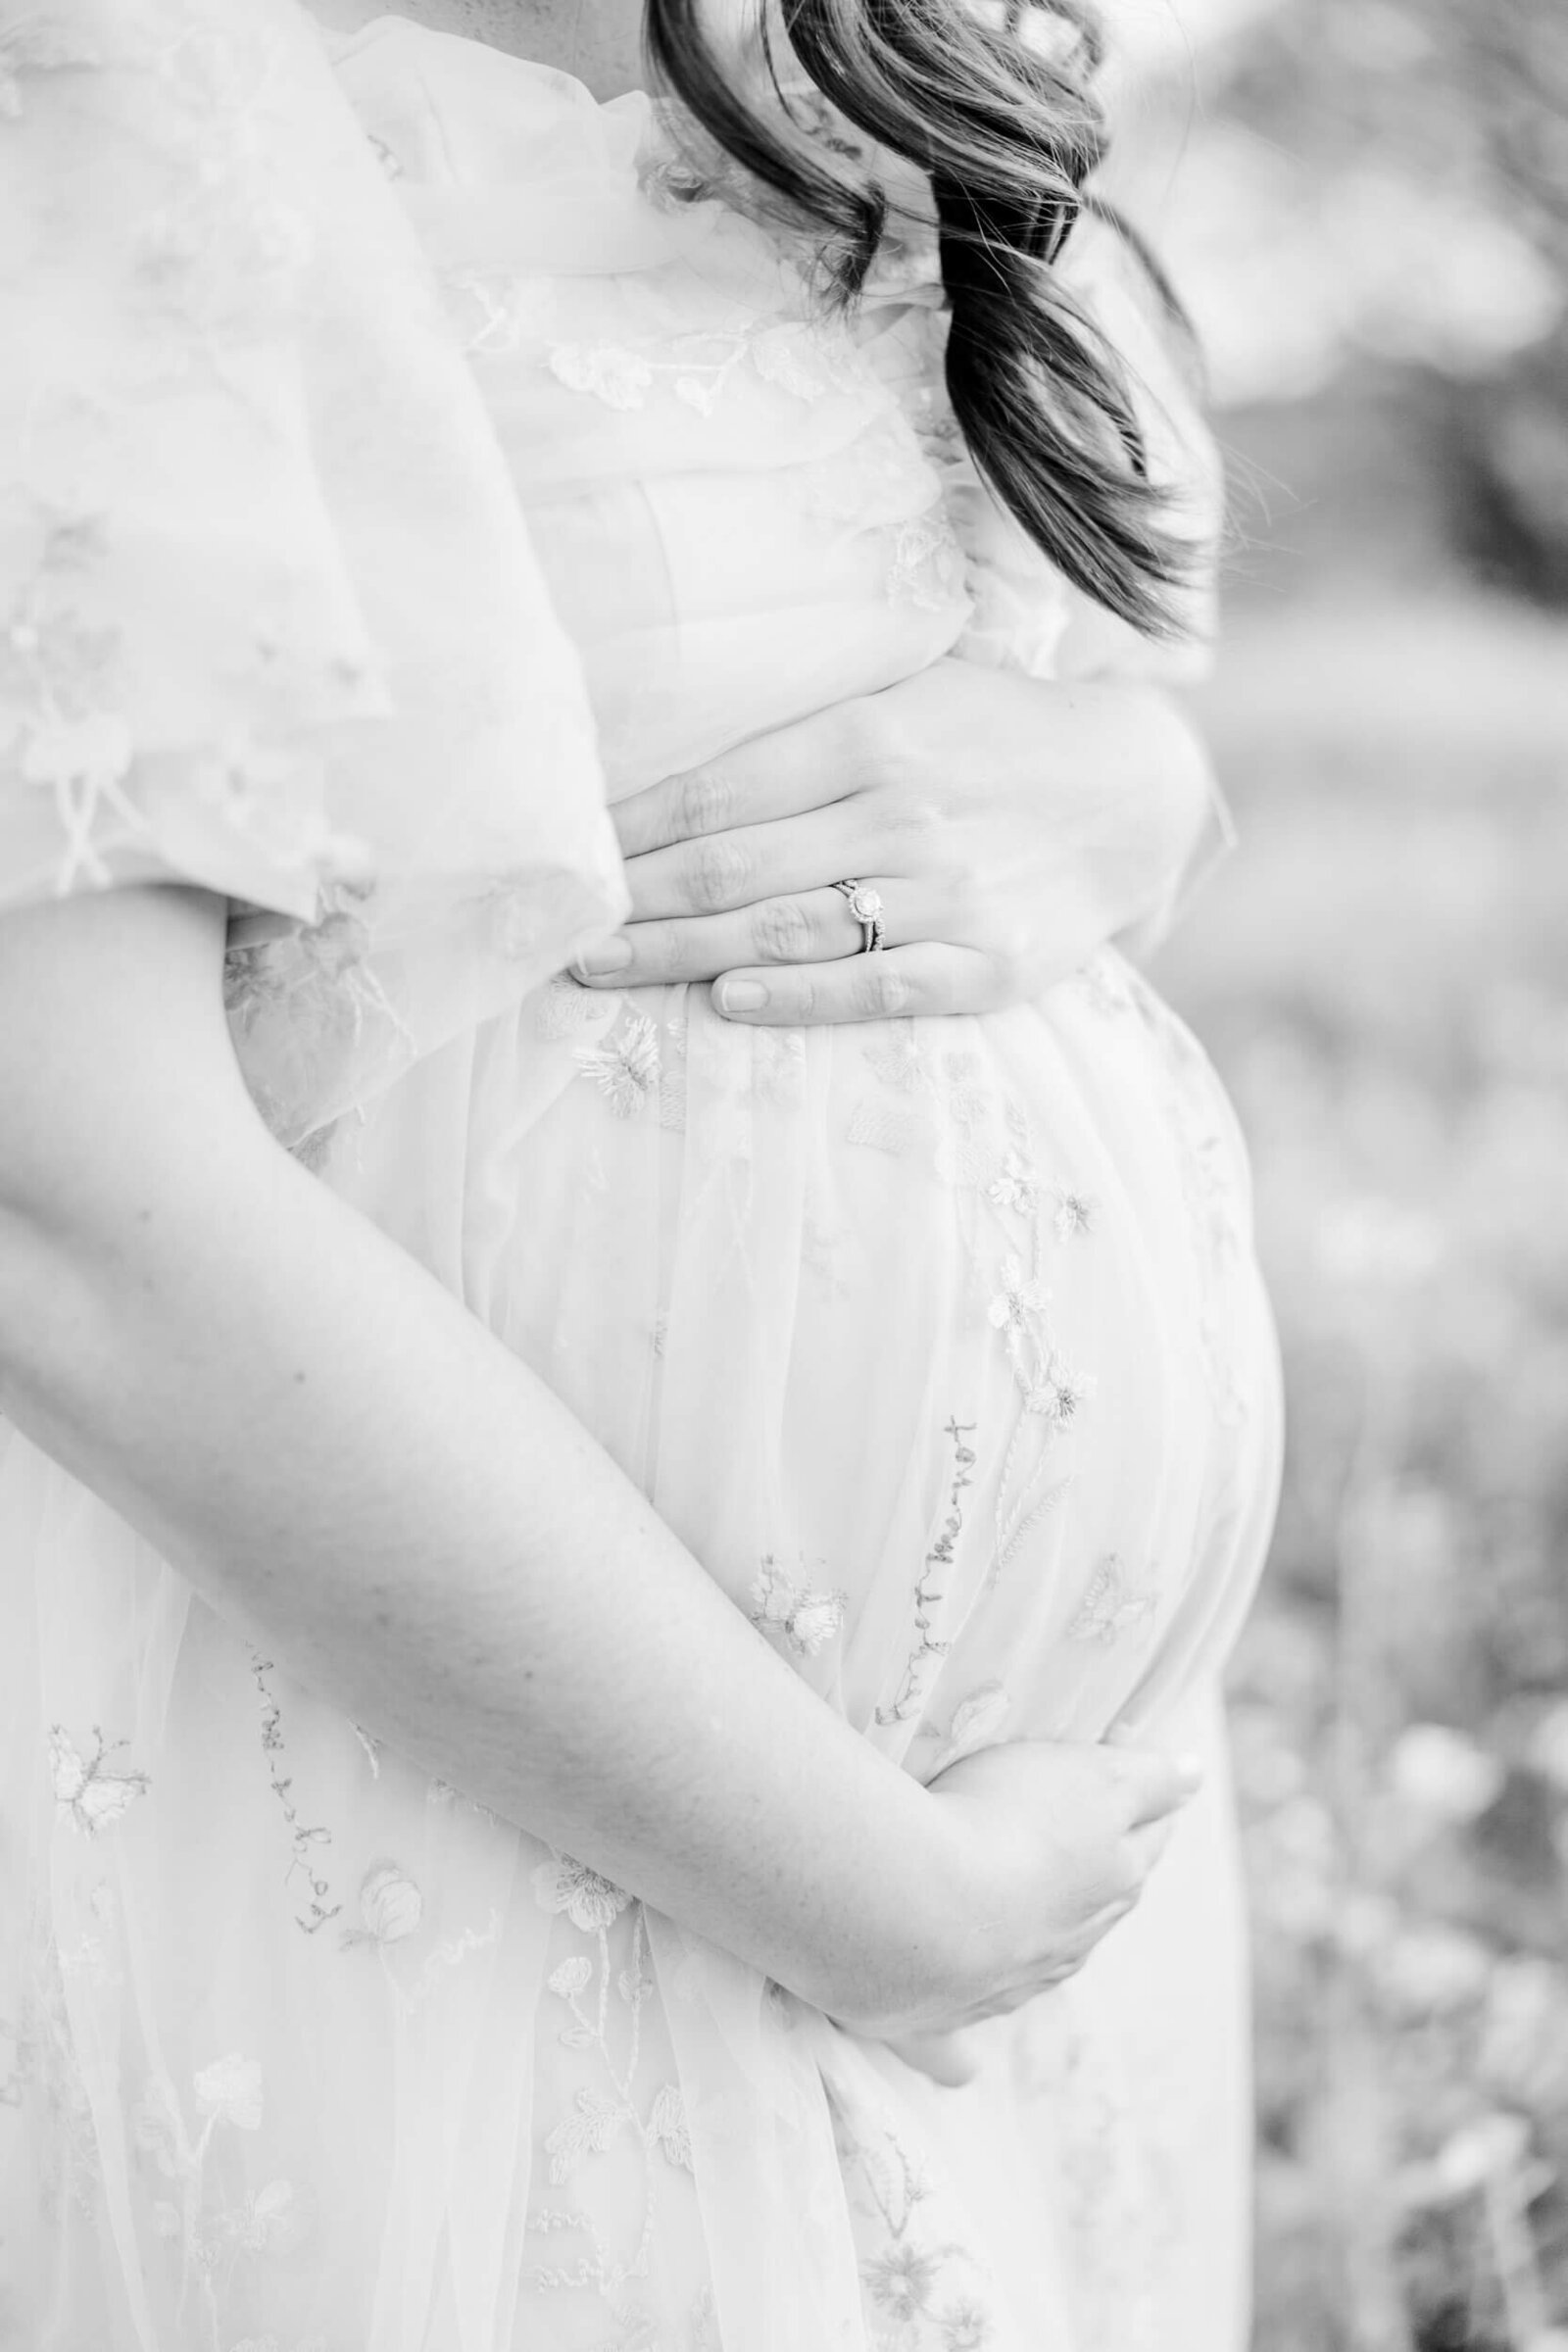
715,874
782,931
703,804
661,950
881,993
916,819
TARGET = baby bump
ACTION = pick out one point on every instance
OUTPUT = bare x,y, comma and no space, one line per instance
937,1342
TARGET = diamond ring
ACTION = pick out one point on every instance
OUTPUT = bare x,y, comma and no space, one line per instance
865,905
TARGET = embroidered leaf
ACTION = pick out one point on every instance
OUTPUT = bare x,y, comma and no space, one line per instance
589,2133
573,1976
667,2124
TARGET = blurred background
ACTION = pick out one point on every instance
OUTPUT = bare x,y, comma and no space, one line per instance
1365,204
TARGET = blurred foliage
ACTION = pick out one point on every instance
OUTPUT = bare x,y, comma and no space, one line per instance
1371,217
1374,193
1382,975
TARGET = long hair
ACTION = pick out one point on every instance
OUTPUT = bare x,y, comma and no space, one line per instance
1004,120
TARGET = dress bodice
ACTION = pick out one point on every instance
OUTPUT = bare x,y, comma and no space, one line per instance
732,496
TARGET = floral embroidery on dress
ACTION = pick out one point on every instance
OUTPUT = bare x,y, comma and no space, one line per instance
611,372
390,1904
923,2293
1113,1604
589,1902
918,1668
607,2114
808,1620
212,2239
1075,1216
88,1790
927,567
626,1069
306,1839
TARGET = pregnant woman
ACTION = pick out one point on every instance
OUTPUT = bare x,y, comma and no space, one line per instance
936,1341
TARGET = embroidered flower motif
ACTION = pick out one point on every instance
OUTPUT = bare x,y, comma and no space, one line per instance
624,1068
808,1620
899,1062
589,1902
1019,1184
1112,1605
1020,1297
926,569
609,370
777,357
964,2328
1075,1216
902,2279
230,2089
390,1903
1058,1393
86,1789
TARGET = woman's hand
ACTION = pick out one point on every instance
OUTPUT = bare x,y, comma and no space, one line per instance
1056,1840
1095,1800
1011,826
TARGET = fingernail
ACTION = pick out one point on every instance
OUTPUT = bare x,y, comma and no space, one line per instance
740,995
611,955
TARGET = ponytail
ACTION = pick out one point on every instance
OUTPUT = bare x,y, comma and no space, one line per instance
1008,130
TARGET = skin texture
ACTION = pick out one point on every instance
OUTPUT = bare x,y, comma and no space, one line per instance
182,1309
450,1558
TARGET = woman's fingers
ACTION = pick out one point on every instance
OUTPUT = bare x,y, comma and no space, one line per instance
949,2058
781,774
811,928
926,978
1155,1784
721,871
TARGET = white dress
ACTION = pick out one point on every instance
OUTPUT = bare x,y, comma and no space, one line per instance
940,1341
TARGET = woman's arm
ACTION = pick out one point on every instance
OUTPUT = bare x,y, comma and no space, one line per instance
1013,825
342,1458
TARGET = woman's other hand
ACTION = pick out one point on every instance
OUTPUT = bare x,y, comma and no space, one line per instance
1057,1839
1011,826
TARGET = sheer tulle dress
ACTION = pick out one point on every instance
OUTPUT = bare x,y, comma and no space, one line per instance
363,381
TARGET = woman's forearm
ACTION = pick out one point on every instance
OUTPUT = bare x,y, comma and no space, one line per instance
341,1458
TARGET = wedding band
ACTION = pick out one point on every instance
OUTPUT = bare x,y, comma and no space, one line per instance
865,905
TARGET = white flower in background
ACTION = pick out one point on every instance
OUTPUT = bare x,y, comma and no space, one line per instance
1443,1774
589,1902
231,2089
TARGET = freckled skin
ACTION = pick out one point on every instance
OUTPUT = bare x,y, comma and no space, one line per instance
598,40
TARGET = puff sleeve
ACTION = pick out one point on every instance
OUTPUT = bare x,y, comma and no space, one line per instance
269,620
